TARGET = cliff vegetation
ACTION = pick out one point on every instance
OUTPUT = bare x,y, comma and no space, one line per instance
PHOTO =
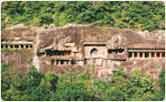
129,14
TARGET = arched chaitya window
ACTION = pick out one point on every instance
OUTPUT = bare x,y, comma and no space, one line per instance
93,52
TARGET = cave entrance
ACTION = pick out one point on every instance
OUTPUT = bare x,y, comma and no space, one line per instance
120,50
50,52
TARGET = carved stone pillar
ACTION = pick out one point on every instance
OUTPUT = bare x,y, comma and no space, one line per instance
140,55
64,62
9,46
67,62
155,54
57,62
150,54
160,54
19,46
143,55
23,46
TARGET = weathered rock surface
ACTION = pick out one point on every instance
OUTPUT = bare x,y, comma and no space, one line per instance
76,35
57,36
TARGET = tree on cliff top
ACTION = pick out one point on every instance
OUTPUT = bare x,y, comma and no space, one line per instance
130,14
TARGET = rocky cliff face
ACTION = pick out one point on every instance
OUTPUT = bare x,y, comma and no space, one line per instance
57,37
19,60
19,33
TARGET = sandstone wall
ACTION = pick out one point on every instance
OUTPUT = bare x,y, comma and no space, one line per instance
57,37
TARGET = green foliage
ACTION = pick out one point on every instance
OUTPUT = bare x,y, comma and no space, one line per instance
162,84
31,86
73,87
131,14
123,87
80,86
4,67
46,19
70,91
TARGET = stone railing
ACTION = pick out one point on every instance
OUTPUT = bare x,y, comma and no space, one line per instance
16,45
146,53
